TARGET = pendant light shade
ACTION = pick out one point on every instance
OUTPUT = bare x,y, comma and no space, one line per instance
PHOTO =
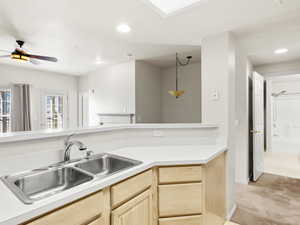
176,94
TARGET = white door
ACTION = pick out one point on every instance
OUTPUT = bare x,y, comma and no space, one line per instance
55,114
258,125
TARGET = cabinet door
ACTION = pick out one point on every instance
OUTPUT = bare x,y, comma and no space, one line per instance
137,211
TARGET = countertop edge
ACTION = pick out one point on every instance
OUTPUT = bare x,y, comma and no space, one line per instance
43,134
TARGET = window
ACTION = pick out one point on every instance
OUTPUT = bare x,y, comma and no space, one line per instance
54,111
5,110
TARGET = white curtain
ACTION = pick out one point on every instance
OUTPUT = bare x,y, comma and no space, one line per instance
21,115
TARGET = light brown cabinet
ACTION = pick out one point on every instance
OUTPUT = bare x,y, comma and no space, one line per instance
182,220
170,195
192,195
179,174
137,211
99,221
85,211
125,190
180,199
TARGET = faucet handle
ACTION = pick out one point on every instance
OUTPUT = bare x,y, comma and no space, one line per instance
89,153
83,148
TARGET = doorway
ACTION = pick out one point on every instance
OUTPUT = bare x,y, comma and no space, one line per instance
256,126
283,146
55,113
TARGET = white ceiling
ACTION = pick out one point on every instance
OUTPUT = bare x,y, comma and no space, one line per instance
78,32
290,78
260,41
167,61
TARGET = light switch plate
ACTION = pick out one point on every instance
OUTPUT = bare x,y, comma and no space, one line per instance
215,96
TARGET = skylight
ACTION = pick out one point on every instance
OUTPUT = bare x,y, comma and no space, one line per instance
170,6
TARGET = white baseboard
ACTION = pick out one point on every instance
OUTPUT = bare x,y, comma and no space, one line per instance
232,211
243,181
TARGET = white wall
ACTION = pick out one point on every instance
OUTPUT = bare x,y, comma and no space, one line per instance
39,153
187,108
243,72
279,69
269,114
111,90
40,82
286,108
218,78
142,89
148,93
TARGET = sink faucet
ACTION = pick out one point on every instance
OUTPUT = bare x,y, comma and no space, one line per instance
69,144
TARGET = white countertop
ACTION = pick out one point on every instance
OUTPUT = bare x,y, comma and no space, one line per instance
13,211
50,133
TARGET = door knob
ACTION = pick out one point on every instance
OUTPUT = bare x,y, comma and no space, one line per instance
255,131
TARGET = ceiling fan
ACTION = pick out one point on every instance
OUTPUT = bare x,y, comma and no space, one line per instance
22,55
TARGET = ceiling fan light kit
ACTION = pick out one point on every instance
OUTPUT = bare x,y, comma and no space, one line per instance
177,93
21,55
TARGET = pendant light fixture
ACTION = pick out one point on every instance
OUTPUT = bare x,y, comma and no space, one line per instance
177,93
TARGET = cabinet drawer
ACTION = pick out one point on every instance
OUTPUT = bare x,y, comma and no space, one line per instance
183,220
99,221
137,211
180,174
180,199
127,189
77,213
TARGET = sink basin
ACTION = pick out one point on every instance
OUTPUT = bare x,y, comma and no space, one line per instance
38,184
106,164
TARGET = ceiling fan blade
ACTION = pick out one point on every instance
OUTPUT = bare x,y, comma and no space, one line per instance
46,58
34,61
4,56
4,51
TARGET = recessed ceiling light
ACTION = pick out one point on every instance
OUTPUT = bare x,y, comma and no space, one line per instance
281,51
123,28
170,6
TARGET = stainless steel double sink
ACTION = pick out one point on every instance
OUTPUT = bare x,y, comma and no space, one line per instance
31,186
